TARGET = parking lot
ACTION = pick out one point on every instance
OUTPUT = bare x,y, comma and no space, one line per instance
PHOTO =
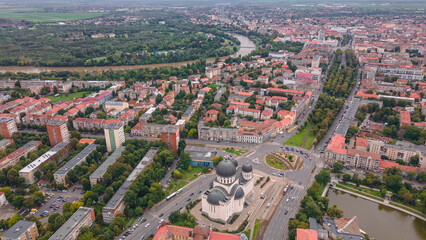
56,199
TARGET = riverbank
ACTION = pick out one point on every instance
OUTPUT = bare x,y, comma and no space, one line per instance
245,48
376,200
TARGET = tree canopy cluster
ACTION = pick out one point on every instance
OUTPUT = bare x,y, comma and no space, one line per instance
143,42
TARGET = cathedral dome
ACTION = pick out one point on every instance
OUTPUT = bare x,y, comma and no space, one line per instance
239,193
247,167
215,196
226,169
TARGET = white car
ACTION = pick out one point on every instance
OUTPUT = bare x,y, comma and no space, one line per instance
162,220
147,225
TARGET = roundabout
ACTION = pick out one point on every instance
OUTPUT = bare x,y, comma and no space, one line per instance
284,161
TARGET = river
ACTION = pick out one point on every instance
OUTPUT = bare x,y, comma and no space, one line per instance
379,221
245,48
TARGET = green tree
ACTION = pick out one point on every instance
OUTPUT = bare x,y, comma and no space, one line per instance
346,177
338,167
193,133
334,212
14,219
393,183
323,177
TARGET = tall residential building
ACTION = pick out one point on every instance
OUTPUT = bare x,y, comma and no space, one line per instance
57,131
7,127
170,136
22,230
114,136
71,228
71,164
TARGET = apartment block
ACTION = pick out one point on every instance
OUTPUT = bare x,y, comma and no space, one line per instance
57,154
69,231
116,204
216,134
7,127
170,136
57,131
102,169
16,155
77,160
4,143
114,136
22,230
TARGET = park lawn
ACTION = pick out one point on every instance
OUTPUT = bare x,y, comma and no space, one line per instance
36,16
298,139
309,142
256,227
188,176
275,163
234,151
68,97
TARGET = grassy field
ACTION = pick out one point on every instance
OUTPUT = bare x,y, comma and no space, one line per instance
234,151
68,97
309,142
188,176
256,227
275,163
297,139
35,16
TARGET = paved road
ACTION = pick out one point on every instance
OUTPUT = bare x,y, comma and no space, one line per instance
165,207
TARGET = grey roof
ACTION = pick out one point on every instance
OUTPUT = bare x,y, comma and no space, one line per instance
17,229
239,193
215,196
200,153
101,170
43,158
235,162
226,168
119,195
247,167
74,221
78,159
188,111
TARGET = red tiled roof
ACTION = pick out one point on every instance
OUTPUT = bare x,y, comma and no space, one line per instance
223,236
405,117
306,234
361,142
388,164
337,144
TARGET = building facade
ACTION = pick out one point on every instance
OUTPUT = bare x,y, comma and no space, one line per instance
22,230
57,132
7,127
114,136
71,229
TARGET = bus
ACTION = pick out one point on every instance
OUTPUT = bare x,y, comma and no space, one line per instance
286,189
179,191
171,195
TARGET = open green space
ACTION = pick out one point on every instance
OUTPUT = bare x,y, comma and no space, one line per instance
35,16
298,139
256,227
310,141
275,163
68,97
188,176
233,151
